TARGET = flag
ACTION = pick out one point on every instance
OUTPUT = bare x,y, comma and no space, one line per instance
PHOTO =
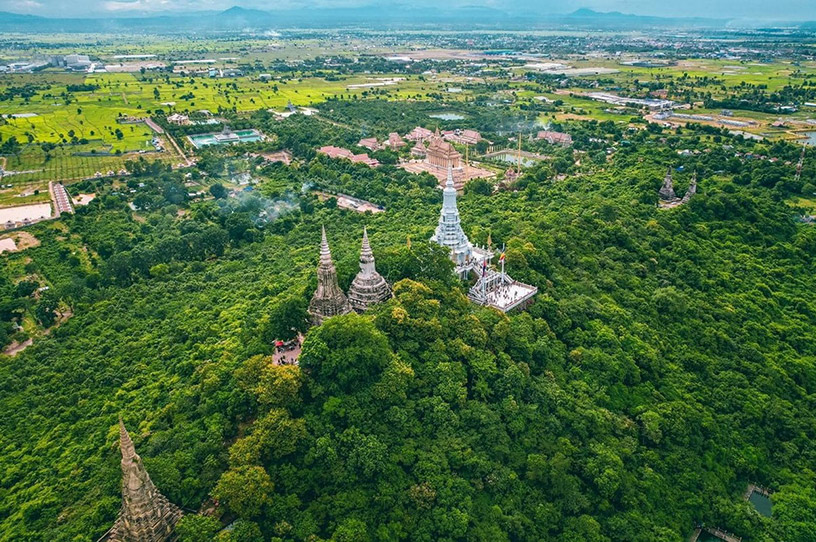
501,258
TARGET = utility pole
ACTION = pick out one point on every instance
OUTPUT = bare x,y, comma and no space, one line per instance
800,164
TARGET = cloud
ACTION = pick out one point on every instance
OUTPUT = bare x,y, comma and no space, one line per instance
782,9
26,5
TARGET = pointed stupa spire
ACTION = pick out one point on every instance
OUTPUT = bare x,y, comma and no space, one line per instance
328,300
325,251
667,190
125,443
449,181
366,248
449,231
146,515
368,287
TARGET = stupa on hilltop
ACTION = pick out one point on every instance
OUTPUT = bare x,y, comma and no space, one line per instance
668,197
449,233
667,190
368,287
328,300
146,515
692,189
493,288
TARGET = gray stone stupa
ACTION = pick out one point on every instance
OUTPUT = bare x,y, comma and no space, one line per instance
667,190
368,287
692,189
146,515
328,300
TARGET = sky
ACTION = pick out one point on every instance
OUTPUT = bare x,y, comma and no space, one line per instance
788,10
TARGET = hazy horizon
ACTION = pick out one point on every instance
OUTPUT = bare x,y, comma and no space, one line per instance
783,10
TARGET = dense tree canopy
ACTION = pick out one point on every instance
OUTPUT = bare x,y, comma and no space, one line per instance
667,361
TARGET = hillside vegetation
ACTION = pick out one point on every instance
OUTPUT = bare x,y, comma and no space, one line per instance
668,360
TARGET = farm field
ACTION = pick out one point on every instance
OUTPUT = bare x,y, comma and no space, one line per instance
55,114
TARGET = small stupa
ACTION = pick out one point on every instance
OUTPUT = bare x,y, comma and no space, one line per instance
667,190
146,515
368,287
328,300
692,189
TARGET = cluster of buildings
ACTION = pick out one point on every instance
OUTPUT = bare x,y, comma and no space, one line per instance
394,142
440,158
24,67
217,73
75,62
367,288
493,288
60,198
653,104
339,152
178,119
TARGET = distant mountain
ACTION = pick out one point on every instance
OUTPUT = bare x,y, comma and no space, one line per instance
380,14
590,17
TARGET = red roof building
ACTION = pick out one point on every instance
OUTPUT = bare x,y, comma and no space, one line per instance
394,141
555,138
370,143
419,134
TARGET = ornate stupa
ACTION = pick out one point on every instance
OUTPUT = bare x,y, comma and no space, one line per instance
449,231
328,300
667,190
692,189
146,515
368,287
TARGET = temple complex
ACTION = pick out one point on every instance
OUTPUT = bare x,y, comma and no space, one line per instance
442,154
328,300
146,515
439,158
368,287
493,288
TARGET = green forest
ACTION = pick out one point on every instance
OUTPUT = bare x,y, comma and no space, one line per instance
669,358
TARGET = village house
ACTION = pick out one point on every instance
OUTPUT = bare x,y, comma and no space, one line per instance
555,138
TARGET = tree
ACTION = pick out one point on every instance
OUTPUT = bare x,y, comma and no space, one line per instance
242,531
346,353
194,528
218,191
245,490
286,319
478,186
